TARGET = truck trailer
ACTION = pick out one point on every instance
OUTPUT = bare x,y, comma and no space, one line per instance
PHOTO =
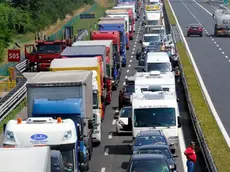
222,22
25,159
67,94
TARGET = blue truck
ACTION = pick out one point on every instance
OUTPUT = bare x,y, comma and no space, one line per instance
65,94
116,25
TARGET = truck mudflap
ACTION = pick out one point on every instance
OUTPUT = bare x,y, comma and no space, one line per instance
109,91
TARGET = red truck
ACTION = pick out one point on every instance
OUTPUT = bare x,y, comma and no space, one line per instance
115,37
44,50
131,19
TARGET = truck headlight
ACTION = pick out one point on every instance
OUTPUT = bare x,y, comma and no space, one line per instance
172,166
10,136
67,135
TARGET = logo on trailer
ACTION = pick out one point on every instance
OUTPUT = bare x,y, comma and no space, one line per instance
39,137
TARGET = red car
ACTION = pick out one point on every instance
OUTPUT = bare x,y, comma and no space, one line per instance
195,29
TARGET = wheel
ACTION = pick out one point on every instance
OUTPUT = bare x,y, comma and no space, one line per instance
201,35
188,35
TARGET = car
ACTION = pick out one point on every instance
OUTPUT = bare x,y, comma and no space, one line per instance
163,149
150,137
195,29
124,120
124,95
148,162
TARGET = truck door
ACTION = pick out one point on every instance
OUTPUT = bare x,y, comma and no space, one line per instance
30,52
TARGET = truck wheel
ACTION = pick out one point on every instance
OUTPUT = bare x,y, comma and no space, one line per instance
123,65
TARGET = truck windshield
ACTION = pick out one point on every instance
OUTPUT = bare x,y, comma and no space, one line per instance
151,38
49,48
152,22
68,160
154,117
95,99
162,67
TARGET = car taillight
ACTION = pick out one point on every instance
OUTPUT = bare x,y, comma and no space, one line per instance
200,29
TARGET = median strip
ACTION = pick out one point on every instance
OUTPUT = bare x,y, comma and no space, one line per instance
216,143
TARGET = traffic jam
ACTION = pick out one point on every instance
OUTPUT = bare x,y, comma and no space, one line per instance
67,96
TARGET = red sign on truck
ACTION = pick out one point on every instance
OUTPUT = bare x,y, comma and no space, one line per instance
14,56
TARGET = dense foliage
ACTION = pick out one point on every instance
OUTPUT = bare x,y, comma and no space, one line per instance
22,16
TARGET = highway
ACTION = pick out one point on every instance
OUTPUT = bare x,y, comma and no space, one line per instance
113,154
211,54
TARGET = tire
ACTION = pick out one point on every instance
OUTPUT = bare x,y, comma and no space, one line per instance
201,35
188,35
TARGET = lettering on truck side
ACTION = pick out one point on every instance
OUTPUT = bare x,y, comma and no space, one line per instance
226,21
152,106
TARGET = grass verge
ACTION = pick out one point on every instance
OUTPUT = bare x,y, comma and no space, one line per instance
213,136
13,114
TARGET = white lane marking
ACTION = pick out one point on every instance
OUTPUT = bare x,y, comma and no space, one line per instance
114,121
226,57
110,136
131,56
223,52
229,60
126,77
217,45
134,45
133,49
103,169
129,66
207,96
132,52
220,49
106,151
127,71
130,61
212,39
124,83
214,42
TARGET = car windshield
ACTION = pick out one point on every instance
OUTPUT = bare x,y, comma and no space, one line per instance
129,88
151,38
162,67
126,112
152,22
154,117
165,151
156,165
49,48
149,140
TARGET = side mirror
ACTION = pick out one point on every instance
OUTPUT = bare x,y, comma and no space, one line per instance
179,121
178,100
90,124
4,128
140,41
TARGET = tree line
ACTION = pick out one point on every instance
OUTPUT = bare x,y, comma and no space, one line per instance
23,16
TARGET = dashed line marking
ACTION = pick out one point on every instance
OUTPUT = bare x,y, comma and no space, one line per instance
131,56
126,77
215,42
220,49
229,60
127,71
103,169
133,49
223,52
130,61
217,45
134,45
114,121
110,136
106,151
129,66
212,39
226,57
132,52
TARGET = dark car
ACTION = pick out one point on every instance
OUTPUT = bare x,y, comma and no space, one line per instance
195,29
163,149
124,95
148,162
150,137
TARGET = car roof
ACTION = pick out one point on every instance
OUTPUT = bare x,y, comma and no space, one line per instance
195,24
147,156
152,146
150,133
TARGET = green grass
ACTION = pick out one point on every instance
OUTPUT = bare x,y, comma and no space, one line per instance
213,136
13,114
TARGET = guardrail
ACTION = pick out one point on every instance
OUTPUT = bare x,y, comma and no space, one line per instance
17,94
210,165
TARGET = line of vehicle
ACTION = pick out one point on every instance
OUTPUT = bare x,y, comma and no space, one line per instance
212,107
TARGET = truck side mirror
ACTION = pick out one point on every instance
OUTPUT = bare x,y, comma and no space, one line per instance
179,121
4,128
140,41
90,124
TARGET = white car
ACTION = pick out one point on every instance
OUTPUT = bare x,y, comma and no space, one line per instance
123,123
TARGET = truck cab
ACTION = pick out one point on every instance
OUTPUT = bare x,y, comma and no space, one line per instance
57,133
120,26
156,111
45,50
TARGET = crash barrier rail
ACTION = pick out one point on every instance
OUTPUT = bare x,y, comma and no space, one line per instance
210,165
18,93
224,6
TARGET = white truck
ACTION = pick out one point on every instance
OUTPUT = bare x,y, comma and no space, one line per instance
28,159
222,22
156,80
58,134
67,94
156,111
154,18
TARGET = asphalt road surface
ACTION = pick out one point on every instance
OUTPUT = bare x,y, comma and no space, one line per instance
113,153
211,54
